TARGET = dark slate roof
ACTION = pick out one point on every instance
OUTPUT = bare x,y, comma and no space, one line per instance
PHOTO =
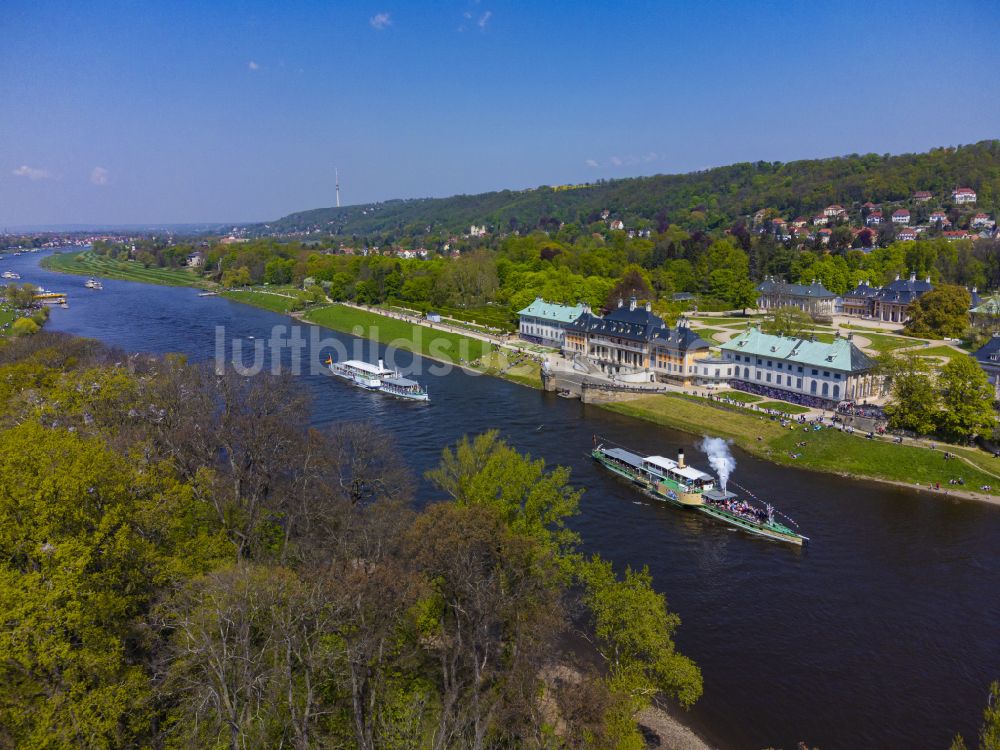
903,291
815,290
638,325
988,350
864,290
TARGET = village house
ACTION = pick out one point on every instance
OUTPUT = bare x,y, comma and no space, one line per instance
820,220
617,224
956,234
801,370
814,298
833,211
195,260
825,235
982,221
634,344
939,217
901,216
874,218
922,196
963,195
545,322
907,234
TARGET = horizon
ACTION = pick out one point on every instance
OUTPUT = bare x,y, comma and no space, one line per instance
238,114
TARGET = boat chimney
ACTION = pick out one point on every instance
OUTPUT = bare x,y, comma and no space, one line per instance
680,458
381,365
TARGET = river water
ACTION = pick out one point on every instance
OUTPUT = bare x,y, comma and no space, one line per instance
883,633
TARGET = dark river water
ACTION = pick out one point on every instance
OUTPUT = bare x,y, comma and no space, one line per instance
883,633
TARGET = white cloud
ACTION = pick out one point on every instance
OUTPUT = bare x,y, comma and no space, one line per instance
591,163
99,176
651,156
32,173
616,161
484,19
380,21
252,65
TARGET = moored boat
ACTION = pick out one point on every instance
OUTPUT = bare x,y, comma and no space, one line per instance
683,486
378,378
11,275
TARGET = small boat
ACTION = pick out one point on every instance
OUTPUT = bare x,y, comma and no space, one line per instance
683,486
378,378
10,275
93,283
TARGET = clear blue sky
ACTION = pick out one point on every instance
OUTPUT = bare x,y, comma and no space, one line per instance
239,110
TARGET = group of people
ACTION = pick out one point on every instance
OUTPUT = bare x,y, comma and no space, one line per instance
741,508
851,409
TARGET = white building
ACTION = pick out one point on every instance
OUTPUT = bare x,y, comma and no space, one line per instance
545,322
963,195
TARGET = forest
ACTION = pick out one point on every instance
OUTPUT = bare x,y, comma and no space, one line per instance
699,201
184,565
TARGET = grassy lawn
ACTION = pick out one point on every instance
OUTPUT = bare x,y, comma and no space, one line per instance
709,334
271,302
826,338
740,396
936,351
503,364
86,263
6,318
826,450
783,407
881,342
441,345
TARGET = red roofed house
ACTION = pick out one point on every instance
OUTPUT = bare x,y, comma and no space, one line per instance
982,221
907,234
874,218
824,235
820,220
963,195
833,210
902,216
939,217
922,196
958,234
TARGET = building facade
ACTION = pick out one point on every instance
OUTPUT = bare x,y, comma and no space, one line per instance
545,322
988,357
813,298
634,343
801,370
892,302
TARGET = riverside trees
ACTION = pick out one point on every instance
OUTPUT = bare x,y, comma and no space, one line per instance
183,565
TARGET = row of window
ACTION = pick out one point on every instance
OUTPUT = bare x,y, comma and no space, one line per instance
781,366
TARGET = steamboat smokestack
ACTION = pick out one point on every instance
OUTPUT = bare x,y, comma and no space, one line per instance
680,458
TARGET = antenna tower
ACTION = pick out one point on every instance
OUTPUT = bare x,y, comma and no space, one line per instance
337,174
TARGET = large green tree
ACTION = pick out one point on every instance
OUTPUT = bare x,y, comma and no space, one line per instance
942,312
967,400
915,401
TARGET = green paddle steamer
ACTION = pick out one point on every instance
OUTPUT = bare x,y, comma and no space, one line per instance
683,486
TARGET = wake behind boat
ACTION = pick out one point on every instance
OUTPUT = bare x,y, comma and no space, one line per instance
378,378
683,486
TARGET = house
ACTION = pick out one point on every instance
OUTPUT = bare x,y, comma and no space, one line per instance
479,231
617,224
820,220
813,298
545,322
825,235
956,234
901,216
801,370
634,344
922,196
758,217
874,218
799,222
963,195
195,260
833,211
892,302
988,357
982,221
860,301
939,217
907,234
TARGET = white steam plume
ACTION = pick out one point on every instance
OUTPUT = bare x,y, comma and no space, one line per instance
720,458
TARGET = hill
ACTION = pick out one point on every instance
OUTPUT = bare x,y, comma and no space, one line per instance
706,200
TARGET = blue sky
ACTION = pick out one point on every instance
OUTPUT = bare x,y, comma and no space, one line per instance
235,110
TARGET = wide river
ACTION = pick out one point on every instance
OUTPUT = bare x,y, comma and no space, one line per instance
883,633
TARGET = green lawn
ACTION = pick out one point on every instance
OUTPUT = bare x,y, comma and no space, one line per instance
86,263
881,342
273,302
783,407
936,351
6,317
826,450
438,344
709,334
743,398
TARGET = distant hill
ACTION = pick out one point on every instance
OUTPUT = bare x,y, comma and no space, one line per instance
709,199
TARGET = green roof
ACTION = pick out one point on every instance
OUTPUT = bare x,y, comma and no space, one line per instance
553,311
989,306
841,355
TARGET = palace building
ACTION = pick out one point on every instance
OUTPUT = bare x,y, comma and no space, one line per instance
545,322
801,370
634,343
813,298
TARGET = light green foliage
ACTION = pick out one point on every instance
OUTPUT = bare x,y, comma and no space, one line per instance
967,400
24,327
787,321
915,401
989,733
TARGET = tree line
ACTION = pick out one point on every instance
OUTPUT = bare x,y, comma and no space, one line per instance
182,564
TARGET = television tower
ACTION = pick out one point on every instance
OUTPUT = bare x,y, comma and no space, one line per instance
337,178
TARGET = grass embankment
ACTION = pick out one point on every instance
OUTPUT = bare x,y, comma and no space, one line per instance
87,263
274,302
431,342
782,407
937,351
826,450
881,342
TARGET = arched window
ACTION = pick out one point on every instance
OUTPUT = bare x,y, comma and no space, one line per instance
826,388
812,387
836,391
746,373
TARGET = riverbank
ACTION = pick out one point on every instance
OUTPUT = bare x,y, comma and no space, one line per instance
88,263
826,450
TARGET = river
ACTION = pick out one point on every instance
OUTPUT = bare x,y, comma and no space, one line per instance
883,633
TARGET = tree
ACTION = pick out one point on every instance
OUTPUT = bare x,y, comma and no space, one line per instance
633,282
989,733
24,327
787,321
915,402
942,312
967,398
